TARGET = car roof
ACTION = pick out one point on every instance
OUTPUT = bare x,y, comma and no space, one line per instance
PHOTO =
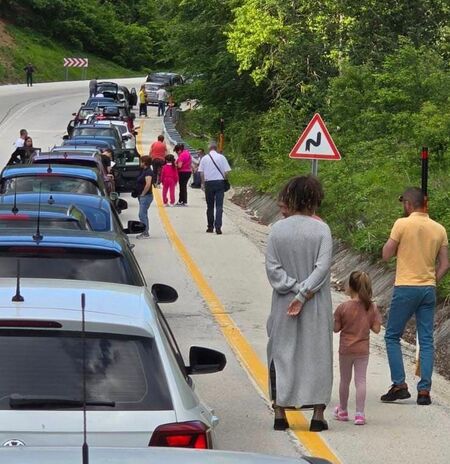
107,305
27,455
82,172
80,239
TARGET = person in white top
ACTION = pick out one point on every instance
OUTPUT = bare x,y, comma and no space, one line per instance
21,140
161,95
214,169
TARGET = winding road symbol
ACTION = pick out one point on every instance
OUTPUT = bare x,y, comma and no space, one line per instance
313,142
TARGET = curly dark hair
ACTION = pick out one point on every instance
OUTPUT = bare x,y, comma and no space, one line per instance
302,194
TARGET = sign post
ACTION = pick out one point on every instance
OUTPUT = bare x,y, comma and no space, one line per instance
315,144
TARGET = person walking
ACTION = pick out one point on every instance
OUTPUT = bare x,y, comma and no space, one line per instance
184,162
161,95
421,247
300,325
214,169
29,70
158,152
169,180
93,87
354,319
144,193
142,102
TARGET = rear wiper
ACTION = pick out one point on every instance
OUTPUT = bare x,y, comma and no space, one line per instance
29,401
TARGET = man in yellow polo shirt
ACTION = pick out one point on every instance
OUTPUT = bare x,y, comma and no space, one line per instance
421,247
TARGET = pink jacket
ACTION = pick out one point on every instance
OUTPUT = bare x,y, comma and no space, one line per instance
169,173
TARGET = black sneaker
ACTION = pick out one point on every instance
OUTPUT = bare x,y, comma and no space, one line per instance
218,231
423,398
396,392
209,230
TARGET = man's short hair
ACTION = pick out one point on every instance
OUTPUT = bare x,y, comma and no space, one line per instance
161,138
23,132
213,145
415,196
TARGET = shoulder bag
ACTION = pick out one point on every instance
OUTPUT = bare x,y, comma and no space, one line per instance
226,181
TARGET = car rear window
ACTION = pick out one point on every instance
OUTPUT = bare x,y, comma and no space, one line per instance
7,223
123,369
67,263
99,132
49,183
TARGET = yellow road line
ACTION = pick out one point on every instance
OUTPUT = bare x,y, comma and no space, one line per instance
298,423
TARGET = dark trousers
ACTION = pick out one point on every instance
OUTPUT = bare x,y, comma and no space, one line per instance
196,180
214,191
161,108
29,80
142,109
157,165
183,181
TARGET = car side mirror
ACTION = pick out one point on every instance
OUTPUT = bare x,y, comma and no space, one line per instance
65,137
133,116
164,293
205,361
83,104
74,114
134,227
125,138
121,204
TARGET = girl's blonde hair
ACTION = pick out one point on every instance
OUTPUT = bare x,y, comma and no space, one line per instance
359,282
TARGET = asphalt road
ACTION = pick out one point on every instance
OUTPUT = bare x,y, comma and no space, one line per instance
224,303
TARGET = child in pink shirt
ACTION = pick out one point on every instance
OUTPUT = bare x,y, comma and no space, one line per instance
169,179
354,319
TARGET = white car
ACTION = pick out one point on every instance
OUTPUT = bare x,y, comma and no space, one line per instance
139,391
128,138
22,455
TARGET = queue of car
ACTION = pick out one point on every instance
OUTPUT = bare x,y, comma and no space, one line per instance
65,256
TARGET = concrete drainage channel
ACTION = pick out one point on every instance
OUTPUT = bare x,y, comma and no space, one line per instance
263,209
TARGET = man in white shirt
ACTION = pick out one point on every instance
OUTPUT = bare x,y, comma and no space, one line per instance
21,140
161,95
214,169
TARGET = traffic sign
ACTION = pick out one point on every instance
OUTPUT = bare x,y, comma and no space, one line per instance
315,143
76,62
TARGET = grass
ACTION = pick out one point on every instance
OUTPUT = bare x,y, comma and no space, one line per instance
47,57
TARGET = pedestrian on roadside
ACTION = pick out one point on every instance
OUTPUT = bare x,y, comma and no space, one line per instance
18,154
93,87
161,95
158,152
300,325
144,193
29,70
421,247
214,169
196,176
142,102
354,319
23,134
184,162
27,151
169,180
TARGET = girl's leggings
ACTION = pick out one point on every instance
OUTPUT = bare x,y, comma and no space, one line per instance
169,186
348,362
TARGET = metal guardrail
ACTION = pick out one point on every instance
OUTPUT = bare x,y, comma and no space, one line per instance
171,133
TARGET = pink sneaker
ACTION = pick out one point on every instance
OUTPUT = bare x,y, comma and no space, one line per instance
360,419
340,414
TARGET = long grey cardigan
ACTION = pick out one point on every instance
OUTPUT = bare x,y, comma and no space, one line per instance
298,259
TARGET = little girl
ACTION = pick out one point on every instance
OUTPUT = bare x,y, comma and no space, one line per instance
169,179
354,319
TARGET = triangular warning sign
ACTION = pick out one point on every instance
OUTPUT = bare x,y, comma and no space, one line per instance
315,142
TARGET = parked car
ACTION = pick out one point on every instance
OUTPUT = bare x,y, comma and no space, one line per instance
21,215
139,390
80,117
128,138
150,89
99,131
108,89
27,455
69,255
169,79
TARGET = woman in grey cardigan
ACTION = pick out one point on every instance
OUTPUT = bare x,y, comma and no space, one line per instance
300,327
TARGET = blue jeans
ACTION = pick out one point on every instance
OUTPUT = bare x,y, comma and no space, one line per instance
144,205
406,302
214,192
161,108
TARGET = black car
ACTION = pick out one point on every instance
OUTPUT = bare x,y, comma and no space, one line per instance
170,79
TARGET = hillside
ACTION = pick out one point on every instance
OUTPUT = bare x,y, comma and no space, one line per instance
19,46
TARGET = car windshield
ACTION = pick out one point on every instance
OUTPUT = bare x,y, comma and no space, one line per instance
83,114
24,222
152,87
67,263
51,183
121,369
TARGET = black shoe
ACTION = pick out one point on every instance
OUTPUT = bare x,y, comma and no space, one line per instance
209,230
280,424
396,392
318,425
218,231
423,398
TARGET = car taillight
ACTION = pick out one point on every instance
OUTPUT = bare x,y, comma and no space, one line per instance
194,434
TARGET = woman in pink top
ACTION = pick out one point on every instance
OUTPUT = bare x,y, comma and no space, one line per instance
354,319
184,171
169,179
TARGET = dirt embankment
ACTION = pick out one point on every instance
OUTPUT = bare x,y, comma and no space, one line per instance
6,44
264,209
